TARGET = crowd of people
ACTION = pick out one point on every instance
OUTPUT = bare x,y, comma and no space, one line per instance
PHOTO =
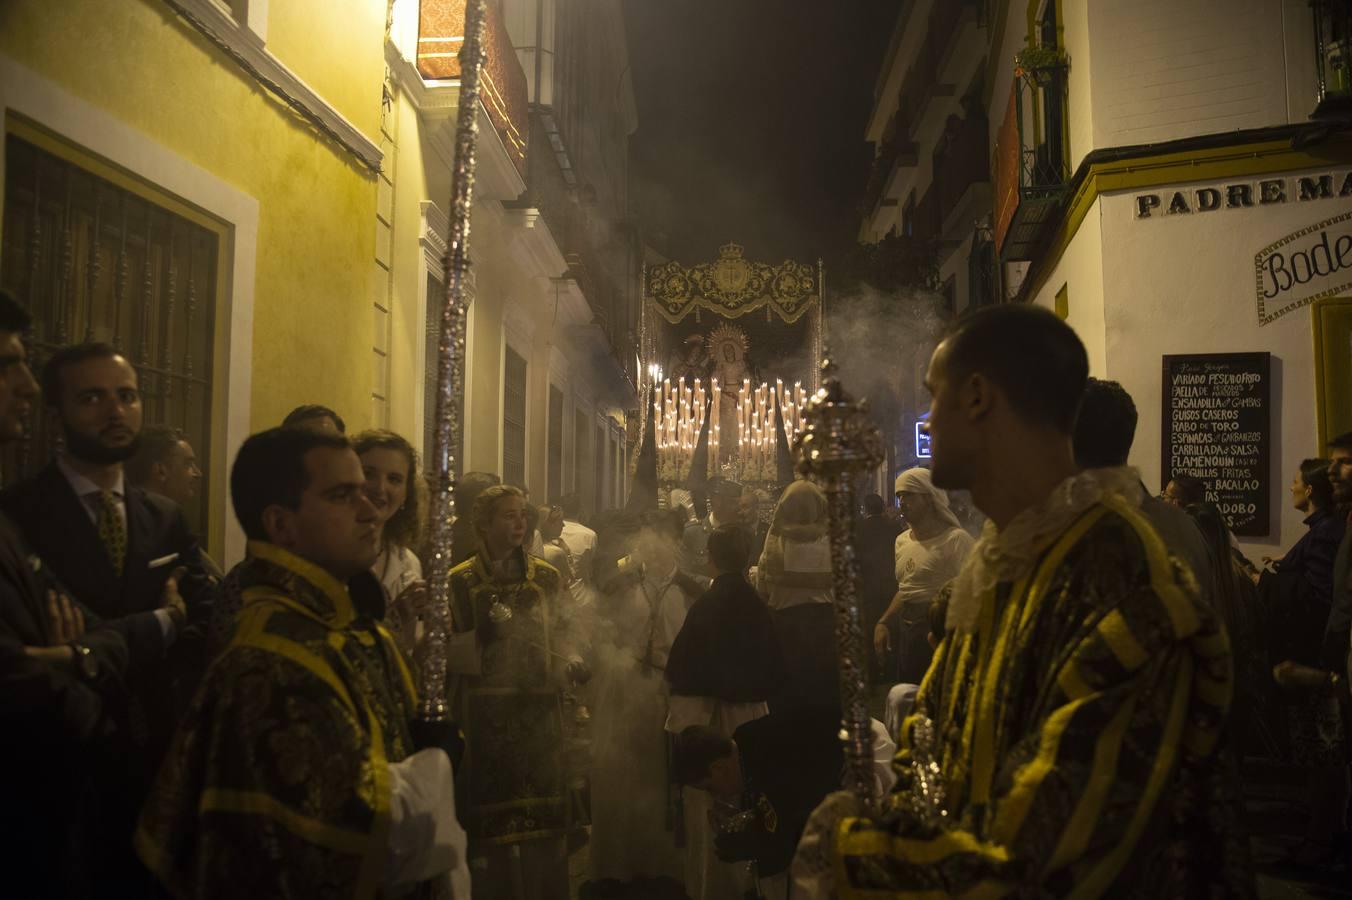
1086,667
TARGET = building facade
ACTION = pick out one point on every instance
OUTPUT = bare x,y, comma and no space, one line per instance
1172,180
249,199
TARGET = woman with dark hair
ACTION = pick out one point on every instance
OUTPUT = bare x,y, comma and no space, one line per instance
1297,595
395,488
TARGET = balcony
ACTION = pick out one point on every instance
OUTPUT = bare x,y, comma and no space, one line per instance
593,283
1038,164
921,105
962,175
894,154
1333,59
955,33
441,35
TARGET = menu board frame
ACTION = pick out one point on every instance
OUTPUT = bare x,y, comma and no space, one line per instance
1244,523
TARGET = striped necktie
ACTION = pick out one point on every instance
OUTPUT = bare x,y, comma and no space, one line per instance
112,530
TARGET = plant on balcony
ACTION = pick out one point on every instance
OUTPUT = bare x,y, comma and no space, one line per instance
1031,62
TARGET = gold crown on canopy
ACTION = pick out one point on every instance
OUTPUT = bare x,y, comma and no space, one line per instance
731,251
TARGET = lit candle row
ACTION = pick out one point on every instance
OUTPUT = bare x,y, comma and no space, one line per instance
678,412
756,437
791,407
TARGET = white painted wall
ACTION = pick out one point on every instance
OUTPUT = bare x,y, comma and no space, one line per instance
1168,69
1081,271
1185,284
1077,27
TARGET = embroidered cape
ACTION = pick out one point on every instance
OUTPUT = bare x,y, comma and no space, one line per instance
278,781
513,780
1068,744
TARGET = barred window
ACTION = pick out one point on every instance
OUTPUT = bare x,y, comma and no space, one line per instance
97,258
514,419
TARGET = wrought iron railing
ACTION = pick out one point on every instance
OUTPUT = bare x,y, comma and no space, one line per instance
1040,102
1333,58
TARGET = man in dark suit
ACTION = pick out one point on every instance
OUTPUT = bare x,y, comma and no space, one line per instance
117,549
60,677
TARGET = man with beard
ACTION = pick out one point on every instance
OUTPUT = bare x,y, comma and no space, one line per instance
117,549
1066,740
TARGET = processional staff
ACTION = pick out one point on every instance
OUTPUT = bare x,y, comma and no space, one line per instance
838,444
450,362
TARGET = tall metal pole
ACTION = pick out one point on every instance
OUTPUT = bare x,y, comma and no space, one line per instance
450,358
838,444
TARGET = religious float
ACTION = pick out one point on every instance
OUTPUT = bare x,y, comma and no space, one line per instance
731,352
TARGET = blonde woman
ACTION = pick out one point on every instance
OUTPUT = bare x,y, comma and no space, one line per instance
794,577
795,564
517,807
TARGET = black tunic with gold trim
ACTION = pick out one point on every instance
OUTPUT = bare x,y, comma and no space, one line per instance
513,782
277,784
1076,733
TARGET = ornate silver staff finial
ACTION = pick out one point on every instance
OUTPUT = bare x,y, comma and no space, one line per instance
450,360
838,444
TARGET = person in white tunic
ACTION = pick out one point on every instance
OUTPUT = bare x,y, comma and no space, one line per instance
633,819
929,555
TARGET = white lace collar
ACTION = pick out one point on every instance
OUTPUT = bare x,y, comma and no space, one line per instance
1010,553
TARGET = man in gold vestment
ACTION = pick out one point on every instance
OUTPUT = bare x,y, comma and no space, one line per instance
294,775
1069,737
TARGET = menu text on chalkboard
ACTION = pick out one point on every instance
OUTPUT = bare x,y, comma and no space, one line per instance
1217,428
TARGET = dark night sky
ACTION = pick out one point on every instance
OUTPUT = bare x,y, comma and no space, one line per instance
751,120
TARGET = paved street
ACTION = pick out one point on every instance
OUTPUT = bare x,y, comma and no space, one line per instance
1275,819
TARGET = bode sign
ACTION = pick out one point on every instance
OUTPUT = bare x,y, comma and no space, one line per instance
1217,427
1295,270
1303,267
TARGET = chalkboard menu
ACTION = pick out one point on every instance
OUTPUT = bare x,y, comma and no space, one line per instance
1216,427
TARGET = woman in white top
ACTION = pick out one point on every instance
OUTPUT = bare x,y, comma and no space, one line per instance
928,556
395,488
555,551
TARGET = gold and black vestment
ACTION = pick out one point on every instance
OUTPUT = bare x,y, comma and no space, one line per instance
277,784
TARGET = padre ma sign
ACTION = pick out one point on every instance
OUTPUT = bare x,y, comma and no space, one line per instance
1308,265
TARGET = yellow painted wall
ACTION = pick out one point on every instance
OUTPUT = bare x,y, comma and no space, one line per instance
140,63
406,311
320,40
